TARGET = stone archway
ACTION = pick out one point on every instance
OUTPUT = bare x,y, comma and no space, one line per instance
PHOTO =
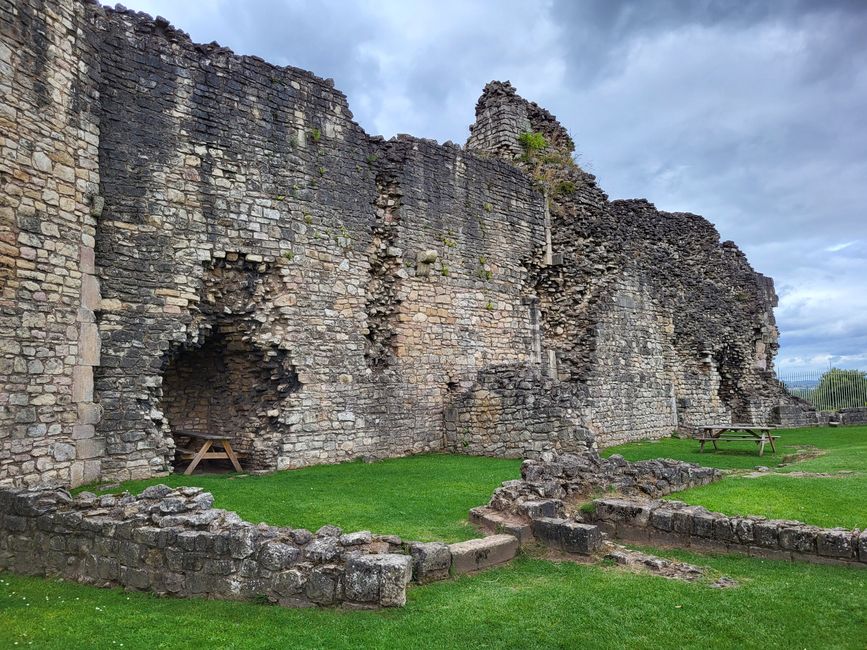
230,386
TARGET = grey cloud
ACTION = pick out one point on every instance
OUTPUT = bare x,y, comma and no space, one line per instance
750,113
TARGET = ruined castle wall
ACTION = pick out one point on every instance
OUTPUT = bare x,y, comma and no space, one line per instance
245,210
630,388
652,320
173,543
198,241
238,201
48,172
473,309
516,411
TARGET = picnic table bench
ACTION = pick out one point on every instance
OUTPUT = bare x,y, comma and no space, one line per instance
737,432
204,446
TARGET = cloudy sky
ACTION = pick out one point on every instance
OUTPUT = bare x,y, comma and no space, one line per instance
753,114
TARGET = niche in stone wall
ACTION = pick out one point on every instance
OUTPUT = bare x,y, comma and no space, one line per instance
228,382
226,386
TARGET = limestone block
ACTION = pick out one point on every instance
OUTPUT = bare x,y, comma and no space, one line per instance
378,579
543,508
276,556
567,535
424,261
431,561
766,533
90,448
477,554
837,542
89,345
82,384
798,537
323,585
63,451
89,413
90,293
82,431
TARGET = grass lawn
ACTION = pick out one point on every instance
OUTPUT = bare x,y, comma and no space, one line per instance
530,604
837,499
423,498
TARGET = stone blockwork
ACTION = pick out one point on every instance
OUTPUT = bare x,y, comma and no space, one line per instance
515,411
557,479
655,322
195,240
675,523
49,175
173,542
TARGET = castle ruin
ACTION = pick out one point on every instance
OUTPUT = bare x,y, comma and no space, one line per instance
195,240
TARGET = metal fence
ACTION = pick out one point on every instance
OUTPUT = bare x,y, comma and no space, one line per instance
828,390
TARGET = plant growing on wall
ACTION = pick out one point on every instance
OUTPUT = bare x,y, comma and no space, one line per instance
532,141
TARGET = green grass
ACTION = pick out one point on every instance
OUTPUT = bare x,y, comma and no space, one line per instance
828,502
836,500
531,603
844,448
422,498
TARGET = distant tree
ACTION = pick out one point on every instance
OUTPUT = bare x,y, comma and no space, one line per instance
839,389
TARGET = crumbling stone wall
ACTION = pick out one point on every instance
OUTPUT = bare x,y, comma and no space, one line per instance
665,326
515,411
240,195
674,523
188,232
173,542
49,342
567,479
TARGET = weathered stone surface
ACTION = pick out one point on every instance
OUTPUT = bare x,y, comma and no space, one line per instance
674,523
837,542
558,476
171,541
542,508
567,535
431,561
244,242
477,554
378,579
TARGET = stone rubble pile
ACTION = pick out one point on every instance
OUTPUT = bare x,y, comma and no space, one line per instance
571,477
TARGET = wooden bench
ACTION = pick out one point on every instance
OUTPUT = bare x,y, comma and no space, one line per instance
208,445
736,432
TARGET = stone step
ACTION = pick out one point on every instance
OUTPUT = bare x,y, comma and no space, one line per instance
567,535
477,554
493,521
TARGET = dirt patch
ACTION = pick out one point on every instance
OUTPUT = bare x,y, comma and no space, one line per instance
801,454
639,562
841,474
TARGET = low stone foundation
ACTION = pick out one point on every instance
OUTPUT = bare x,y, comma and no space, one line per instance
574,477
674,523
173,542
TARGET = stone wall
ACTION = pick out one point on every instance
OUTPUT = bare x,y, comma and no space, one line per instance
49,343
515,411
675,523
564,480
198,241
173,542
248,217
666,326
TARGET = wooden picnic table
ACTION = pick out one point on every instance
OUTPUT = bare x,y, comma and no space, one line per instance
761,435
207,449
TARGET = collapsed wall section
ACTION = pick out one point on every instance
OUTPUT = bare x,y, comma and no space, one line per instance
653,322
49,342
